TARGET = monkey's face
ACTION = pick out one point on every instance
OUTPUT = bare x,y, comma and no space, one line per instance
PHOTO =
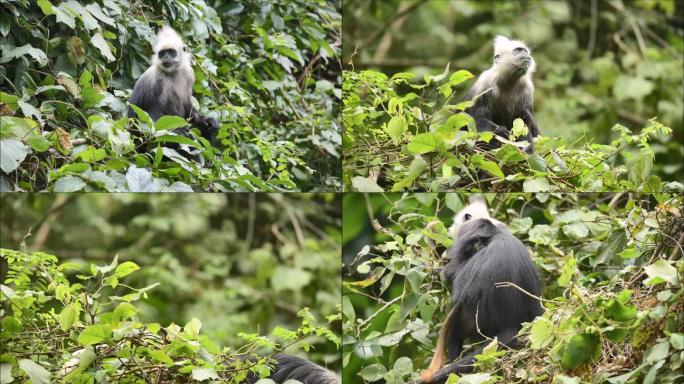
170,59
513,57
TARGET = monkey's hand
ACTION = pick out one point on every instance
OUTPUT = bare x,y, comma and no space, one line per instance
502,131
210,127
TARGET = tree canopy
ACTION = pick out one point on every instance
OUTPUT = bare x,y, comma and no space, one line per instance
268,71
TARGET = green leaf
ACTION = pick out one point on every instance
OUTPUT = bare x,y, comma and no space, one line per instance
124,311
403,366
6,373
160,356
537,184
660,272
193,327
576,230
9,100
46,7
166,123
541,333
519,129
424,142
396,127
418,165
69,184
488,166
36,373
125,269
99,42
69,315
38,143
91,97
373,372
459,76
16,52
94,334
581,348
202,374
12,153
91,154
364,184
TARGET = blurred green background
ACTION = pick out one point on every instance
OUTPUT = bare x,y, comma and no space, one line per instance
598,62
238,262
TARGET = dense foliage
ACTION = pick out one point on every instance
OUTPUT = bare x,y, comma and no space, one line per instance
242,264
269,71
612,271
85,332
407,141
609,73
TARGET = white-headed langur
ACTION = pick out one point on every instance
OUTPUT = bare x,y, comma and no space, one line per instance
166,86
506,91
484,255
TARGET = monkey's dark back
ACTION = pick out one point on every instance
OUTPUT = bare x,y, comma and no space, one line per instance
503,259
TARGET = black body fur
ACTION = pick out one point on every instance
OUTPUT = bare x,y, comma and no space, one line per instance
482,256
295,368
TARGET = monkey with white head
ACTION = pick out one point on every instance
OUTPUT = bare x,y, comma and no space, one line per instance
484,255
506,91
165,88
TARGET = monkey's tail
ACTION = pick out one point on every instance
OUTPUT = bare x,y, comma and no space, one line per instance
440,351
465,364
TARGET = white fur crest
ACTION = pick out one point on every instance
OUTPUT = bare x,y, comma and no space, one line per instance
168,38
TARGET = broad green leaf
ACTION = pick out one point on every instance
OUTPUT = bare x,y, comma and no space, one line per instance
403,366
166,123
580,349
36,373
577,230
69,184
15,52
91,97
202,374
459,76
541,333
99,42
660,272
373,372
124,311
193,327
125,269
12,153
537,184
418,165
6,373
69,315
396,127
424,142
488,166
94,334
364,184
91,154
161,356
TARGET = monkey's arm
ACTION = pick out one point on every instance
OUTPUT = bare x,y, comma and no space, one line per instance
138,98
533,129
207,125
481,113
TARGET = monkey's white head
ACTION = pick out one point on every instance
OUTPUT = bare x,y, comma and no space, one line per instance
513,57
170,54
477,209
